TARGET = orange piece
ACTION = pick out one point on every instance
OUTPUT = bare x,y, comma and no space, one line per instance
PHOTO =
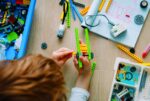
83,48
85,10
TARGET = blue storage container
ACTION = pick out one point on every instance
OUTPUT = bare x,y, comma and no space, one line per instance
6,39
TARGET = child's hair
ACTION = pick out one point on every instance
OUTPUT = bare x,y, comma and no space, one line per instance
32,78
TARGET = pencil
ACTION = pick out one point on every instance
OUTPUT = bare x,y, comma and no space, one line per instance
101,5
108,6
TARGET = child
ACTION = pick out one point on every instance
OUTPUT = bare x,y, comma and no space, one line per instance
37,78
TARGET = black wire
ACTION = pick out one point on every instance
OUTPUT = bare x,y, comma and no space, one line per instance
89,16
65,11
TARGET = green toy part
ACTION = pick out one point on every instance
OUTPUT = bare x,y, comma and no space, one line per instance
12,36
79,53
93,67
78,46
88,43
69,16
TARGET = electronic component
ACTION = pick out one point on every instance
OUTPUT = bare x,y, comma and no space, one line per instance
144,4
139,19
117,30
61,30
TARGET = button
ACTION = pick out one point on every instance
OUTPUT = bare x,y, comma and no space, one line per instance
139,19
144,4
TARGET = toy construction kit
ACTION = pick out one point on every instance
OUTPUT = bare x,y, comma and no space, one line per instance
15,24
131,82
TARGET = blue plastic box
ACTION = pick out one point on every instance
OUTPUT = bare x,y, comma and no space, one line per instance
27,29
15,27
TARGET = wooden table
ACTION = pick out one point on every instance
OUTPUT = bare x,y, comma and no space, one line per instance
45,24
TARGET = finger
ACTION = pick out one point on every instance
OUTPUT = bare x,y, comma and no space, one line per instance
81,42
75,60
84,60
65,54
63,49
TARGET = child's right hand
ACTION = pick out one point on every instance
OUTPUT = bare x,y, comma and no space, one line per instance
85,73
86,68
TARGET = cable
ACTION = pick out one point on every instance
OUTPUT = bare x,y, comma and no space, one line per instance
89,16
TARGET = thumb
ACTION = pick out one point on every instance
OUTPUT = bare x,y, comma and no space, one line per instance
67,54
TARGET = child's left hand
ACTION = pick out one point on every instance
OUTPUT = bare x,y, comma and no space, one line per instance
62,55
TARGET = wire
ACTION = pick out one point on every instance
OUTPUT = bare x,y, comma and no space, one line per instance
91,16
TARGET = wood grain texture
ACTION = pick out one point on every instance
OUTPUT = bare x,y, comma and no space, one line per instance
45,24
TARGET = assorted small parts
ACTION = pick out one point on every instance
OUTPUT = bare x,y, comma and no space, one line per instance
122,93
117,30
144,4
12,20
139,19
61,31
44,45
128,74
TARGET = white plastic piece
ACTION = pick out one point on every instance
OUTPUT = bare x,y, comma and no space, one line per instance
18,42
2,52
61,31
122,93
118,29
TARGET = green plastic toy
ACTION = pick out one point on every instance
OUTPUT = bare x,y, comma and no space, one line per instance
89,52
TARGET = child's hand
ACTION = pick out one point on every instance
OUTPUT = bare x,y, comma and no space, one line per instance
86,68
62,55
85,73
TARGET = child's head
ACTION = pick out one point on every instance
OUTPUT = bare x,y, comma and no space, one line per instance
33,78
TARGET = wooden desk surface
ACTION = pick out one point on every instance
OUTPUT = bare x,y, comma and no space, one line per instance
45,24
